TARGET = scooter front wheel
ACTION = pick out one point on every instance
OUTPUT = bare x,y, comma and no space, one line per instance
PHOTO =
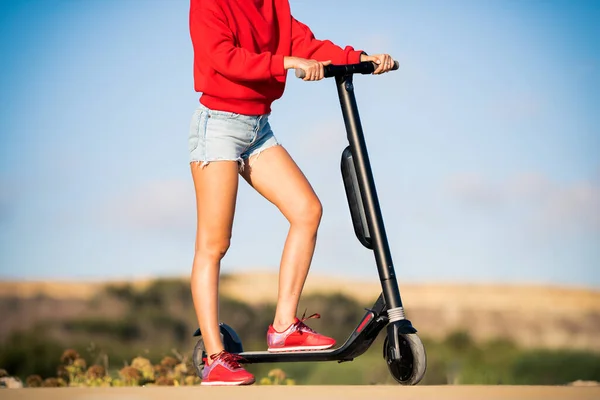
410,368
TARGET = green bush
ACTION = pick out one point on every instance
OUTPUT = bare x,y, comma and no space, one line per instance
28,353
126,329
547,367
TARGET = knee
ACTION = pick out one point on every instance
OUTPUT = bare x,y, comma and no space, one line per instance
308,214
212,249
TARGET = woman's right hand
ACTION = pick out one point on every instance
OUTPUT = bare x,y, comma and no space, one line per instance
313,69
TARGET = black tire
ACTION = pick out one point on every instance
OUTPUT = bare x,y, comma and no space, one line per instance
198,356
411,367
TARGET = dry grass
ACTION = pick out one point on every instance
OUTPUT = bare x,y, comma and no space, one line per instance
261,286
258,287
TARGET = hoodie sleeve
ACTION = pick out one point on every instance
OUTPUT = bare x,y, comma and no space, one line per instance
305,45
213,42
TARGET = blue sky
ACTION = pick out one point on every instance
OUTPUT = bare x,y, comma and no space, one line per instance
484,144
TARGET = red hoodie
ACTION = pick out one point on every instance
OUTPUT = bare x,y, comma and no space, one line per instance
239,47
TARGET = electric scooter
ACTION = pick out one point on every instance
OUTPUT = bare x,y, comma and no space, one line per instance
403,351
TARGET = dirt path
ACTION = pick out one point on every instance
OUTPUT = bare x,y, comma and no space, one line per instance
311,392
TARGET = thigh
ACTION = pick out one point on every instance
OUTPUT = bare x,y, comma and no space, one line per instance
276,176
216,190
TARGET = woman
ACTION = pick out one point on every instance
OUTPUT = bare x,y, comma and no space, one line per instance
242,51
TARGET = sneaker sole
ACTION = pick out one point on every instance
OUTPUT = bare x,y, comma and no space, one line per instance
223,383
299,348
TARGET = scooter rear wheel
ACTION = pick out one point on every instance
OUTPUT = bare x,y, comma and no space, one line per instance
411,367
199,354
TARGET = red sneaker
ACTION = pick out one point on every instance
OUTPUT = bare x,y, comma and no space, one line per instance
297,337
225,370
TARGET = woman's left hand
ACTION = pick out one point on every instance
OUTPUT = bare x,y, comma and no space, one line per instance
384,62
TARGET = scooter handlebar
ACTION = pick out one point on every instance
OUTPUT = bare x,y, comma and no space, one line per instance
366,67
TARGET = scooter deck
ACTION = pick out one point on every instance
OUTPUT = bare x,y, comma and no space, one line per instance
263,353
355,345
340,354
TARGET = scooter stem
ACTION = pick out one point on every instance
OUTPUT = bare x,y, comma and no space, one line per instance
383,258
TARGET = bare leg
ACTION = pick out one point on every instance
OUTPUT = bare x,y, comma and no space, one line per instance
216,189
277,177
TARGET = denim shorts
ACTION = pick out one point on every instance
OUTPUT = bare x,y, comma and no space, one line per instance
221,135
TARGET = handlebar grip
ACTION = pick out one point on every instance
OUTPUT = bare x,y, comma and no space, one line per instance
366,67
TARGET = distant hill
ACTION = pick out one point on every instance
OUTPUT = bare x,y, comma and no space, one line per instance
532,316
